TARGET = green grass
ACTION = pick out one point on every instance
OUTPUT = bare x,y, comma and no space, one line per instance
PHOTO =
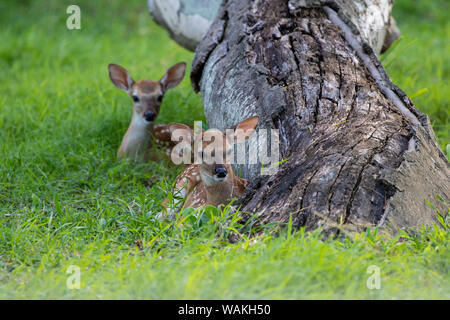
419,61
64,200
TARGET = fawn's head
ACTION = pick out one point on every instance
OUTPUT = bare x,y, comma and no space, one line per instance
212,148
147,95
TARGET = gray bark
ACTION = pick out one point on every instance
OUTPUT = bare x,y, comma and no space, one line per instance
186,20
358,151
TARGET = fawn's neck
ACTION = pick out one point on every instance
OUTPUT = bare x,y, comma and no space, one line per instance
136,141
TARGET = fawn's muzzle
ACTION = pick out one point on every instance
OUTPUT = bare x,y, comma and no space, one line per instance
150,116
220,172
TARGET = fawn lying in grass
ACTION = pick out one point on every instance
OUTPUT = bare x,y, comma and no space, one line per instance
212,182
147,96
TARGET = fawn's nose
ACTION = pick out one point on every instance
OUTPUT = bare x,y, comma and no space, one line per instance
150,116
221,172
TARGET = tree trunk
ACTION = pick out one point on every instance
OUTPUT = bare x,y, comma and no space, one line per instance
188,20
357,151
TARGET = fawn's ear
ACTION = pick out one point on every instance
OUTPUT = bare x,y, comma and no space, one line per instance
173,76
179,131
245,129
120,77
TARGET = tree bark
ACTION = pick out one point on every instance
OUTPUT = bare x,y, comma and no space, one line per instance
186,20
357,151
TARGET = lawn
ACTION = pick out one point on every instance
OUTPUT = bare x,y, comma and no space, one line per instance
65,200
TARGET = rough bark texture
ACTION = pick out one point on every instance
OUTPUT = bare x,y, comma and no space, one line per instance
358,152
188,20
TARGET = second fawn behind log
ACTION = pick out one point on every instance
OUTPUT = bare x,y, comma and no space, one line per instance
211,182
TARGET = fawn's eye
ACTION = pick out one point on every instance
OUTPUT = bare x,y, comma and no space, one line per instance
160,98
135,98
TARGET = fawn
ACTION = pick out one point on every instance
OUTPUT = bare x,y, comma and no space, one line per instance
147,96
212,182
